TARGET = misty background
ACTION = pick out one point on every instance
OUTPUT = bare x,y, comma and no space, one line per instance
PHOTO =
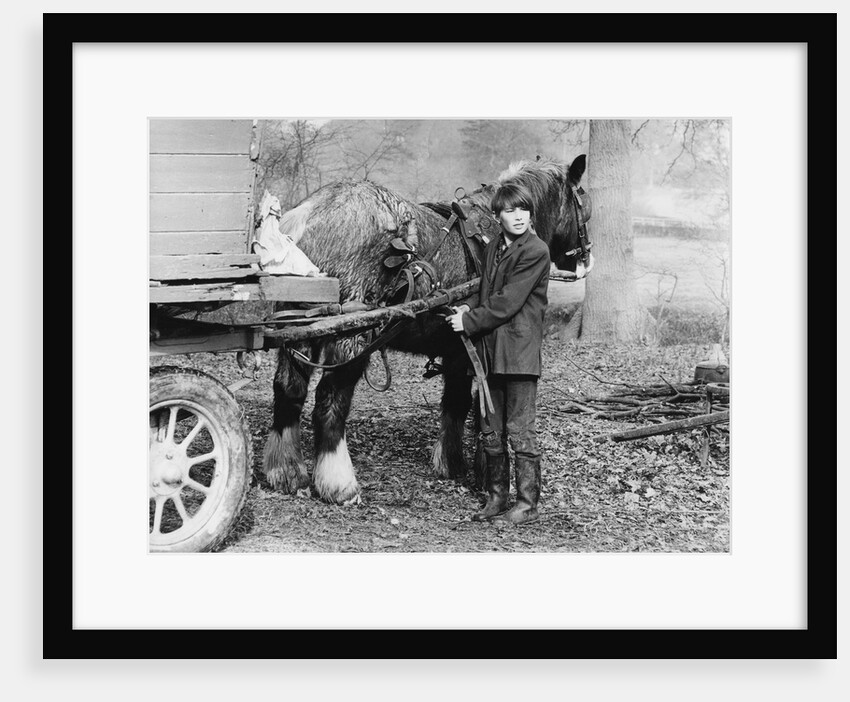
680,168
676,265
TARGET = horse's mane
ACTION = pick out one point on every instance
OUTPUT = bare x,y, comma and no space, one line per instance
443,209
539,177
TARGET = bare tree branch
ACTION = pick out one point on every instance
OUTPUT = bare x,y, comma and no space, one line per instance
370,158
638,131
686,147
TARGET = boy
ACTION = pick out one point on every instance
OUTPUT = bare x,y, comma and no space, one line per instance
506,318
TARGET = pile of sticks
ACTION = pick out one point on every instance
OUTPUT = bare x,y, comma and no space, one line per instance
654,402
693,405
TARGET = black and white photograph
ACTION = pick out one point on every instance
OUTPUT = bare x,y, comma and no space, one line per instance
437,336
440,335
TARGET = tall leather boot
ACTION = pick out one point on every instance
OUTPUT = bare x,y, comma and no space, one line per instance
527,492
498,488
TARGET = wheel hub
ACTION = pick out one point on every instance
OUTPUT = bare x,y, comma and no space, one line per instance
169,469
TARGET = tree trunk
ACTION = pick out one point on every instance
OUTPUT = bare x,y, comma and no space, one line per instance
612,310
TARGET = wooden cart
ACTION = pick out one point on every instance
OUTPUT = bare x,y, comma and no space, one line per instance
202,196
203,177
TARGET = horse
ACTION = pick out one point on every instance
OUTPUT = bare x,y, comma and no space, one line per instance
347,229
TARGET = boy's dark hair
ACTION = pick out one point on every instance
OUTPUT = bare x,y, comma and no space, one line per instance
509,196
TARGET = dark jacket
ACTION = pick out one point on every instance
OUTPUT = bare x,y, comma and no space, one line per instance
506,317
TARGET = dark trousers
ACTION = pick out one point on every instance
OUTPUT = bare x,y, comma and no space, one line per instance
515,403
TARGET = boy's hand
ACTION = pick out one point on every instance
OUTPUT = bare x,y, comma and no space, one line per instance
456,319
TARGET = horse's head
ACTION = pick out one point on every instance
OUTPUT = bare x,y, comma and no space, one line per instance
561,208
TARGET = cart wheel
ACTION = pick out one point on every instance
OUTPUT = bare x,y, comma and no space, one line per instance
200,460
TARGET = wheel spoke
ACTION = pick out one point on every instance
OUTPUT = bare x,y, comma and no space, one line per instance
181,508
157,515
190,437
212,455
195,485
161,426
172,422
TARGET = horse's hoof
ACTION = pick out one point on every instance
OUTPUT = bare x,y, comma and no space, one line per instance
450,470
353,501
290,481
276,477
345,497
451,466
283,465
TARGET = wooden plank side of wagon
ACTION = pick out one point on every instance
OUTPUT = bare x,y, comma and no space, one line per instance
203,267
200,173
299,289
270,288
223,291
191,243
201,187
200,136
199,212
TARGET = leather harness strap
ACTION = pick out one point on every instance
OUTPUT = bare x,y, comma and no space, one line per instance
584,245
473,256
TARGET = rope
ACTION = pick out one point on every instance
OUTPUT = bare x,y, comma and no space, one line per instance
387,371
381,339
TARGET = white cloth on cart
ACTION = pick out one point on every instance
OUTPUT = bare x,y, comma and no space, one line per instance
278,253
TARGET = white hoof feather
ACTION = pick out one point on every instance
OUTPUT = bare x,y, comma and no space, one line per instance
334,477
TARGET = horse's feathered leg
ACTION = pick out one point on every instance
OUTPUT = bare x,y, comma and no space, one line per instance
448,451
283,464
334,477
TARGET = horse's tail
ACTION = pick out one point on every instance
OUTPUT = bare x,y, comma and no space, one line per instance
293,223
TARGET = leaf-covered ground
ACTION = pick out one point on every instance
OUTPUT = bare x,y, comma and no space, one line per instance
663,493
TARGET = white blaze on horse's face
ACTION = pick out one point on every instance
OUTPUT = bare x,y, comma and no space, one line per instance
514,220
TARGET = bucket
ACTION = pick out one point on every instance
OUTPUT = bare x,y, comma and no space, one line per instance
713,370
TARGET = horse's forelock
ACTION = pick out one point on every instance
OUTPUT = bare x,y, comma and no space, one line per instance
514,167
539,177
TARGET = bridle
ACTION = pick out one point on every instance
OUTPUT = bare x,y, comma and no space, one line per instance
584,244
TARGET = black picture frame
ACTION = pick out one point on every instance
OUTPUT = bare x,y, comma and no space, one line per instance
817,640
